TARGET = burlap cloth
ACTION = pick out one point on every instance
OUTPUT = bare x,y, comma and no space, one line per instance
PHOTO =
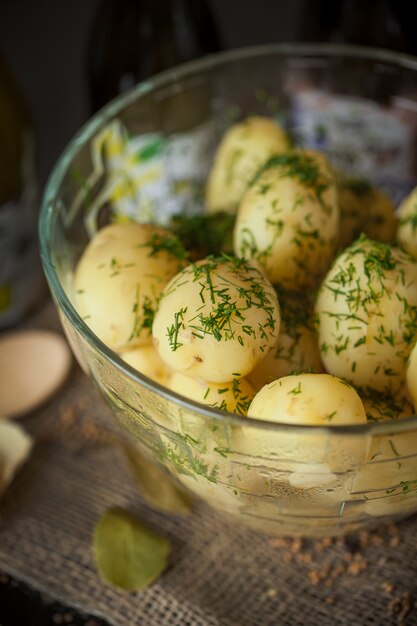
220,574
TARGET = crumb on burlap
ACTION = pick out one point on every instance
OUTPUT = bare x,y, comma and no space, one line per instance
347,559
314,577
304,557
387,586
356,568
297,545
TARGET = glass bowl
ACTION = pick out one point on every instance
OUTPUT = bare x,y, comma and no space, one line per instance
149,151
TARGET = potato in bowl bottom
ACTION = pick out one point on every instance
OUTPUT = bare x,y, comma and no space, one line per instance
280,482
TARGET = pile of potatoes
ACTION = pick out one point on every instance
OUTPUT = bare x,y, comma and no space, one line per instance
312,320
304,313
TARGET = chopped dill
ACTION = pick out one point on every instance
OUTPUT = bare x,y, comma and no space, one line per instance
116,267
222,451
227,295
204,235
295,391
169,243
175,328
393,448
143,315
298,165
370,274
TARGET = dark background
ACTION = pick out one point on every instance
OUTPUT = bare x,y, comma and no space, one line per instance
45,43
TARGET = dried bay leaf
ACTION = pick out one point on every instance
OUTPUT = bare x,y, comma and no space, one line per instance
128,554
15,447
156,485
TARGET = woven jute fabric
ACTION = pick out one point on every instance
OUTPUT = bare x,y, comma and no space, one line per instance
220,572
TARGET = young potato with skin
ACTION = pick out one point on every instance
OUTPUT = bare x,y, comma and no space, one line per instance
216,319
288,220
311,460
147,361
119,278
411,376
234,396
364,209
297,348
366,312
407,226
313,399
243,149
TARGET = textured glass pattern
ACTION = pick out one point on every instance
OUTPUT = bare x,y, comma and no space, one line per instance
280,479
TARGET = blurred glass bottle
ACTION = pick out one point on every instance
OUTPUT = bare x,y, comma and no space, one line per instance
134,39
377,23
21,278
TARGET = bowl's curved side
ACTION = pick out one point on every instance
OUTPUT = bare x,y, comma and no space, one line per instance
282,479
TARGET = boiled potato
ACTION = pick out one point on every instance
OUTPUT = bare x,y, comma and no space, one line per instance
147,361
307,459
364,209
367,315
234,396
216,319
412,375
288,220
119,278
407,227
243,149
297,348
313,399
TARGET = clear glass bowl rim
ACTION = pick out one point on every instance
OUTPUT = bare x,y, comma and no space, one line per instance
48,216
